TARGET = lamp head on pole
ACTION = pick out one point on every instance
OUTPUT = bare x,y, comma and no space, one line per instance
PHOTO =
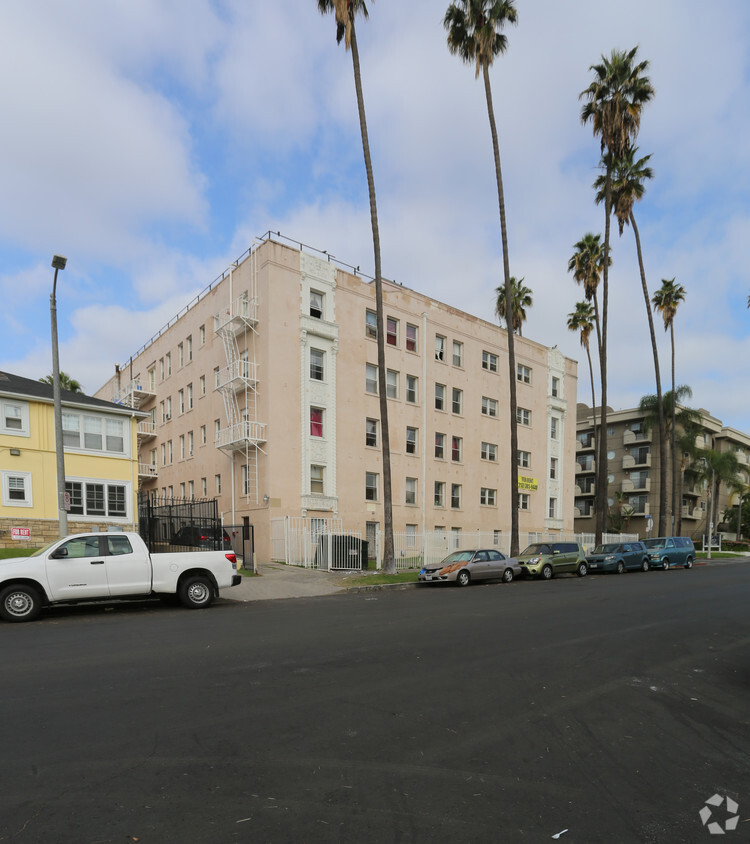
58,262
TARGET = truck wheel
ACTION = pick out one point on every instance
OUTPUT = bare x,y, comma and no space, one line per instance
196,592
19,602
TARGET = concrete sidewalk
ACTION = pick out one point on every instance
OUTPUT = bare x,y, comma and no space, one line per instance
276,580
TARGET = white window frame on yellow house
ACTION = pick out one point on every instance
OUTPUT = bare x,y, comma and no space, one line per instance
23,414
25,477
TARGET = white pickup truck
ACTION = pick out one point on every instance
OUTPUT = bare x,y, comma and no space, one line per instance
103,566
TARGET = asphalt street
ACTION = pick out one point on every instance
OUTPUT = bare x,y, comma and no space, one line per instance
602,709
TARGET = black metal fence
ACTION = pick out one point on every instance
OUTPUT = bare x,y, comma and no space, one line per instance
167,524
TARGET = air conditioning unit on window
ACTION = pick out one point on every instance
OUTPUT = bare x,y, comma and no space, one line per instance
167,417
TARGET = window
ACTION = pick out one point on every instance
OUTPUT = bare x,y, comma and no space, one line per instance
523,374
202,334
411,338
553,468
553,427
439,396
555,387
523,501
181,400
182,446
456,496
489,452
391,331
371,325
316,422
524,459
203,434
316,364
489,406
99,433
169,363
585,506
316,304
488,496
152,379
190,444
182,490
411,440
411,536
202,383
440,348
391,385
456,537
170,453
163,454
97,499
217,481
458,353
161,368
189,345
204,487
217,429
523,416
457,400
189,396
371,486
191,489
489,361
371,378
440,446
439,493
180,354
411,491
552,508
317,480
371,432
457,447
412,389
17,489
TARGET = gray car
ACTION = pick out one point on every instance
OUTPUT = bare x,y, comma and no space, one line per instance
461,567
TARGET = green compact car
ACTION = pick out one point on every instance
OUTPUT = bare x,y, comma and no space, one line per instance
546,559
667,551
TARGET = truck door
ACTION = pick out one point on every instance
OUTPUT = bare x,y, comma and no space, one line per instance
76,569
128,568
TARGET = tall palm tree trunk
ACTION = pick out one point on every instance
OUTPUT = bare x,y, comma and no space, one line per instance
662,425
389,560
674,412
508,324
601,466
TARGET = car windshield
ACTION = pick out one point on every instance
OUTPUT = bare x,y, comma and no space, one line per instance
46,548
607,549
459,557
536,548
654,543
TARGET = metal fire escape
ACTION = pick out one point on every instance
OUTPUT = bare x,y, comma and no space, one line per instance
238,380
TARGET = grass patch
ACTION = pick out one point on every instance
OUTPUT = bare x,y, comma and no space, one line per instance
7,553
720,555
376,578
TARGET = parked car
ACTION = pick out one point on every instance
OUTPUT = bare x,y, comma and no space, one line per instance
461,567
618,557
110,567
546,559
667,551
209,538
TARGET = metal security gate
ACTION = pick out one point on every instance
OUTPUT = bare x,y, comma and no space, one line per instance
187,524
317,543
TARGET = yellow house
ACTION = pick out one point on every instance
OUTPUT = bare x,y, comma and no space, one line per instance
101,463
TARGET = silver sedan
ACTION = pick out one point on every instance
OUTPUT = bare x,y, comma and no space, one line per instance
461,567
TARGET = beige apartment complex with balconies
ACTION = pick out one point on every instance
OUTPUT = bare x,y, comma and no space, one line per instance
633,473
263,394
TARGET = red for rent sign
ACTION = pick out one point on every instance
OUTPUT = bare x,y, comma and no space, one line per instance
20,533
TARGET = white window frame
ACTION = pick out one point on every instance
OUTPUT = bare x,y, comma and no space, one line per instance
489,361
24,430
489,407
107,484
28,499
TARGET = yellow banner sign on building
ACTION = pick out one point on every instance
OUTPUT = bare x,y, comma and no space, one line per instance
527,483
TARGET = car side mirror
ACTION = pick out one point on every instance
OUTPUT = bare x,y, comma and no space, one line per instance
60,554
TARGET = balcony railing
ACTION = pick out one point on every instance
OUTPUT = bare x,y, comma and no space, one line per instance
242,313
589,466
641,485
134,394
146,429
147,470
633,437
243,433
630,462
239,374
586,445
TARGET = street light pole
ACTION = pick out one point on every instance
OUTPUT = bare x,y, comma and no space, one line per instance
58,262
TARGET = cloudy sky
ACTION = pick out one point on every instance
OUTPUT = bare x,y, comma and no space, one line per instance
150,141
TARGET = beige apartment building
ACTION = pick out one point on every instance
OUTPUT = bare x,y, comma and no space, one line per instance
262,393
633,473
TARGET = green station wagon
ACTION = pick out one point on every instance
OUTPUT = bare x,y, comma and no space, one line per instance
546,559
667,551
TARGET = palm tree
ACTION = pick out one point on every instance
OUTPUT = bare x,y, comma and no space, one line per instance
628,177
475,35
66,382
345,12
666,300
586,264
581,319
741,488
715,467
613,105
521,298
690,427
